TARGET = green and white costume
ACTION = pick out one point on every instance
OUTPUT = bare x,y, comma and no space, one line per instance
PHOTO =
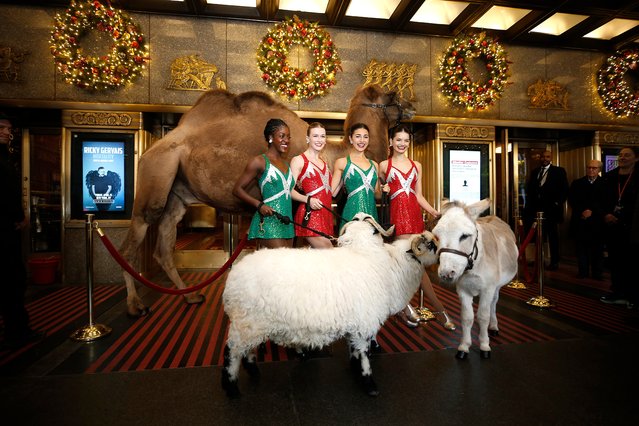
360,187
275,188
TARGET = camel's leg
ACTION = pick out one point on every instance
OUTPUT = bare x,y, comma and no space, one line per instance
467,316
153,187
129,250
165,246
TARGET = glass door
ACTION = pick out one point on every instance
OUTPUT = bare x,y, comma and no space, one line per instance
44,195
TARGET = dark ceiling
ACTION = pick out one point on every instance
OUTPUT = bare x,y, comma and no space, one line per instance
599,12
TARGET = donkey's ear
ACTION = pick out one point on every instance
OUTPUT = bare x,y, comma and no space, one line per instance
475,209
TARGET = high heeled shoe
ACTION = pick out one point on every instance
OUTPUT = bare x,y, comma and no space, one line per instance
446,322
410,319
412,314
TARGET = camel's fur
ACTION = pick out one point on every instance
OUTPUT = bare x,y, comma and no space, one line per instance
201,159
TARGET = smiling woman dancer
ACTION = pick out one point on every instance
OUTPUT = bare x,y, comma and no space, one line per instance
314,181
403,179
272,174
358,174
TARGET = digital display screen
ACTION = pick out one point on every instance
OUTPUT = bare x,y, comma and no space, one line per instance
466,171
104,175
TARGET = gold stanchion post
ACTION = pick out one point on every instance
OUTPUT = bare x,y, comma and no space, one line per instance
540,301
516,282
91,331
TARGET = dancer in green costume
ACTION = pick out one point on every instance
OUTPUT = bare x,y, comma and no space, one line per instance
272,174
358,175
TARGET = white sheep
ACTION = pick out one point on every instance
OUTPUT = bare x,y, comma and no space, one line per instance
310,298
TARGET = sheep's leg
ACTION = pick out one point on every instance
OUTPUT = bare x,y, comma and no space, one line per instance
359,349
484,315
230,372
466,301
250,365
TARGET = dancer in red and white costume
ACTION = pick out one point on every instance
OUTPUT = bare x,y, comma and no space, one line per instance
313,179
403,178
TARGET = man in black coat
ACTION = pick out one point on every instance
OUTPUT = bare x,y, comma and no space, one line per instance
586,221
12,220
546,192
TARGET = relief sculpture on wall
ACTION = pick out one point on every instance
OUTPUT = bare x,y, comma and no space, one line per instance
391,76
10,61
193,73
548,94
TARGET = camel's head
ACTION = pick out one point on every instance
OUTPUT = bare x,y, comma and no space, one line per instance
395,108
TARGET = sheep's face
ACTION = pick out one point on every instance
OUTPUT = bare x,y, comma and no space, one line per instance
424,246
361,231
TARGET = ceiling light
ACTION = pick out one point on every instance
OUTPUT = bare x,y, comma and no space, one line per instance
310,6
612,29
380,9
439,12
243,3
500,18
558,23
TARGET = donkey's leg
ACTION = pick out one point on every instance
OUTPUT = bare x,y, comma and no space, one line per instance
165,246
483,318
467,316
493,326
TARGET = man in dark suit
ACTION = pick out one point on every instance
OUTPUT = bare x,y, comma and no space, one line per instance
546,192
586,221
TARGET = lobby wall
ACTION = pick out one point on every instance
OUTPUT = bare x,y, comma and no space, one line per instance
231,45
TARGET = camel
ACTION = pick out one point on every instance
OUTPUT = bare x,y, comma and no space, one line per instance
200,160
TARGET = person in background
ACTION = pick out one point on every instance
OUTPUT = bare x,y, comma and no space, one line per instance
358,175
13,284
313,179
618,200
272,174
547,190
586,223
403,179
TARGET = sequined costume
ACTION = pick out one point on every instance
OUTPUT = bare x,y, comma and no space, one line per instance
405,212
360,187
316,183
275,188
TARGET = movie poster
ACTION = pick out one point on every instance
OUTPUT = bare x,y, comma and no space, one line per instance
103,171
465,176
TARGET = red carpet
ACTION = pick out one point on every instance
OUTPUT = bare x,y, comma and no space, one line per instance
177,335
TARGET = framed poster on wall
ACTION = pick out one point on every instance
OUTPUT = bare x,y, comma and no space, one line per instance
466,169
102,167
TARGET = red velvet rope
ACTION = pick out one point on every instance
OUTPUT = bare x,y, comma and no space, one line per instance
127,267
531,233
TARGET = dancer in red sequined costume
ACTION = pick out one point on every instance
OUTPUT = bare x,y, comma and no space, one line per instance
313,179
403,179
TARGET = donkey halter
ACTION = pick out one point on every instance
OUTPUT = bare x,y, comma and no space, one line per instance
394,103
470,257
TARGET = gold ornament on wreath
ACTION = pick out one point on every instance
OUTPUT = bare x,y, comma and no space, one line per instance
125,59
292,82
616,93
455,80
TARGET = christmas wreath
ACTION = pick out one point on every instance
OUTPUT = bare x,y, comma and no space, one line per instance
121,65
291,82
456,83
617,94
